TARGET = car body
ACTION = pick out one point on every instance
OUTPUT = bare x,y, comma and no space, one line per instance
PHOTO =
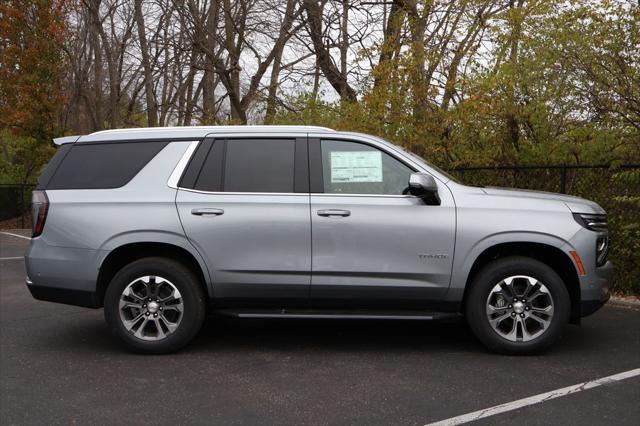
295,221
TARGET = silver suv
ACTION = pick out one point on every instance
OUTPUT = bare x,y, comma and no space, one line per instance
160,226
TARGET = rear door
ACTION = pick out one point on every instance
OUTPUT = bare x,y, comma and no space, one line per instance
246,209
373,245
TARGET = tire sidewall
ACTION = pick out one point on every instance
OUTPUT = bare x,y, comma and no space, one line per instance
495,272
186,283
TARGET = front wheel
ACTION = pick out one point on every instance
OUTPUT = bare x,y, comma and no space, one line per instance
517,305
154,305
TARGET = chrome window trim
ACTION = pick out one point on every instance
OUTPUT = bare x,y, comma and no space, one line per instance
321,194
348,137
174,179
305,194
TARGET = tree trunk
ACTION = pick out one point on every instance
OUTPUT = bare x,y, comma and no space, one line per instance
209,78
94,38
152,108
391,42
273,88
233,72
333,75
512,122
114,79
189,104
277,62
344,44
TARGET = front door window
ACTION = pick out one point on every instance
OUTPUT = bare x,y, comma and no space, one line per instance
355,168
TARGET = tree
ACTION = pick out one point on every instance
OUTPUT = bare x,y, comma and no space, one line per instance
32,68
460,81
152,108
32,65
337,78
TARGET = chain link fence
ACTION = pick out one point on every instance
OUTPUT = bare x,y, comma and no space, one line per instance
15,206
615,189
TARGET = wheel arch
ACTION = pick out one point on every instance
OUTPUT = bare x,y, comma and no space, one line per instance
130,252
548,254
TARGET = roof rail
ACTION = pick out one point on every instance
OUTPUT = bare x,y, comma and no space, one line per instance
217,128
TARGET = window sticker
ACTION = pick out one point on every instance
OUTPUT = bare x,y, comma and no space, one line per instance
356,166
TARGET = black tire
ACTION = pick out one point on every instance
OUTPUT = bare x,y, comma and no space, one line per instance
184,280
486,280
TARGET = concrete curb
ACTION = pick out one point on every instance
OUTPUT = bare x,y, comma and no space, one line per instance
625,302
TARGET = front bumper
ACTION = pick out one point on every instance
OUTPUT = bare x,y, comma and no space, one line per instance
596,289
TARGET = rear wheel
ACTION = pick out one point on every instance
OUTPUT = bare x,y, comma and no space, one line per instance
155,305
517,305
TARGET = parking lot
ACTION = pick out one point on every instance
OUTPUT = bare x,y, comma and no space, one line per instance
60,365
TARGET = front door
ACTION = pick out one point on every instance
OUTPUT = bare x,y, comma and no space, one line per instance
373,245
247,213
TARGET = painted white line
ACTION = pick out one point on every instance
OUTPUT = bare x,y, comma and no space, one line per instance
12,258
543,397
15,235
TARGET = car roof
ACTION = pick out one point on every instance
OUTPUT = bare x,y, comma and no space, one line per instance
183,133
193,133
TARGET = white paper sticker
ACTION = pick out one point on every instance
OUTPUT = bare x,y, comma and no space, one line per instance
356,166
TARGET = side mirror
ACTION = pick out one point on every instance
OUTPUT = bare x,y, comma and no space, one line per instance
423,185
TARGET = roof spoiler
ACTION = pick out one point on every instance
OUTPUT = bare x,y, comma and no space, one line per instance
65,139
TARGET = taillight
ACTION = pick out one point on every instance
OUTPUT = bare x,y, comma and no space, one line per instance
39,210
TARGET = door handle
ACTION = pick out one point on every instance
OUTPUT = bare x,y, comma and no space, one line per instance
334,212
207,212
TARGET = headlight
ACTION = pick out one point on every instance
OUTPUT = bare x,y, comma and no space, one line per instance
597,223
593,222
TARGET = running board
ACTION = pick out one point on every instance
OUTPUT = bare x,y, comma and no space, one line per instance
327,314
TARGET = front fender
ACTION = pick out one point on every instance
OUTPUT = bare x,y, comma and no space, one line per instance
463,263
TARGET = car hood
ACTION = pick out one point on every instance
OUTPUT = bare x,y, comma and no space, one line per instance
575,204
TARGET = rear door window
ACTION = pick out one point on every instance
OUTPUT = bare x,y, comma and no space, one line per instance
265,165
253,165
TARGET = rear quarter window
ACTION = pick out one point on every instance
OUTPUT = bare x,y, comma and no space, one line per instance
53,165
102,166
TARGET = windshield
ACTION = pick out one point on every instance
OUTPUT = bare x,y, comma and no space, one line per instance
422,160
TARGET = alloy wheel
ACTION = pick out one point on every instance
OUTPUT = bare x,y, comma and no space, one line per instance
519,308
151,308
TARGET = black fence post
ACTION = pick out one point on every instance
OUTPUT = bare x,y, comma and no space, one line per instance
21,188
563,179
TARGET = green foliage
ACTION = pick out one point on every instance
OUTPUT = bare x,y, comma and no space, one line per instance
31,70
563,87
22,157
626,238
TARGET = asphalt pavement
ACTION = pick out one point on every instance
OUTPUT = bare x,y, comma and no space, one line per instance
60,365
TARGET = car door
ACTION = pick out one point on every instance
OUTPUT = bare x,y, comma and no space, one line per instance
246,210
373,244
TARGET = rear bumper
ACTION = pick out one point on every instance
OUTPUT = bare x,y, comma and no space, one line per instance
67,296
62,274
596,291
